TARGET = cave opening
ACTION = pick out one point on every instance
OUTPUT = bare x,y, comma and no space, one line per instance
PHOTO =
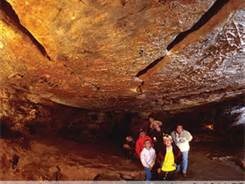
94,140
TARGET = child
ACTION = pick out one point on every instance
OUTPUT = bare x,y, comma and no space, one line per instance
140,142
147,158
168,159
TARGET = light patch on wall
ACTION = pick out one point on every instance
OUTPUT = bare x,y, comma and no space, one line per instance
133,90
6,32
240,112
169,52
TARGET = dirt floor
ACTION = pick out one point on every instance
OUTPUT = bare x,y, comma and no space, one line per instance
58,159
66,160
212,162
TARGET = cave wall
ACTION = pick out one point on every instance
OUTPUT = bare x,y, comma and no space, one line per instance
92,70
124,55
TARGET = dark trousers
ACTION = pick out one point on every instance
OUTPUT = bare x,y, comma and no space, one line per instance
148,174
167,175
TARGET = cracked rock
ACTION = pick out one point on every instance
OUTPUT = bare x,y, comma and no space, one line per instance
107,54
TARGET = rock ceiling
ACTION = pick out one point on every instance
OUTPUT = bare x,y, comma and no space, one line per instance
123,54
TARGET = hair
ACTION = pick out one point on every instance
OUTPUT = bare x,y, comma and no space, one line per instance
152,124
167,137
148,140
142,130
179,124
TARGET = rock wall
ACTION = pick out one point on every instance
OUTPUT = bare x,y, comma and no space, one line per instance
87,70
124,55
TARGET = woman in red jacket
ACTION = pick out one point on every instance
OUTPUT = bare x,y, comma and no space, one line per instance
140,142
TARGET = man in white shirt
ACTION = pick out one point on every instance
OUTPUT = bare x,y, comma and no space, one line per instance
147,158
182,138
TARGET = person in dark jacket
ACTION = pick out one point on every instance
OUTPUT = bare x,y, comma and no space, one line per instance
156,133
128,146
168,159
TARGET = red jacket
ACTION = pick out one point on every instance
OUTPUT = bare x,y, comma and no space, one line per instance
140,144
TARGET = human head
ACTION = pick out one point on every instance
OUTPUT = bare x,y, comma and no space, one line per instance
142,133
167,140
147,144
151,119
156,125
179,128
129,138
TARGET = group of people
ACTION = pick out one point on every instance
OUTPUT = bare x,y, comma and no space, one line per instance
162,155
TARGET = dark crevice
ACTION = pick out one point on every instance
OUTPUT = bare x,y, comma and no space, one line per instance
123,2
148,67
203,20
9,11
83,2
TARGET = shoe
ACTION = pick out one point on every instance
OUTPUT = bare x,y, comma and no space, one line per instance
184,175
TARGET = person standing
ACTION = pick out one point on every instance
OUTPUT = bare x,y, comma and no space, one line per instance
156,133
168,159
182,138
140,142
128,146
147,158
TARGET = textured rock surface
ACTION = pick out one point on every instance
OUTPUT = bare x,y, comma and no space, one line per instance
108,55
96,54
208,65
51,160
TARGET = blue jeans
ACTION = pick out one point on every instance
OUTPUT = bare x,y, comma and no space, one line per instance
148,174
184,163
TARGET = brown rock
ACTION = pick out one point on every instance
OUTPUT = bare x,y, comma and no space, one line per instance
98,55
207,66
58,159
107,55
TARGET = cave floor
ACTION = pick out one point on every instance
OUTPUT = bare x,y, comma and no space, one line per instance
212,162
51,159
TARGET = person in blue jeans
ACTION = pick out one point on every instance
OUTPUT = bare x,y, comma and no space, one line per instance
147,158
182,138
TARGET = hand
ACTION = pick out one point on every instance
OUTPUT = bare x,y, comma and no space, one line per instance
159,170
152,165
182,140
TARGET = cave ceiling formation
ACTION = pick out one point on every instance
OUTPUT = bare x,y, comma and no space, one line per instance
122,55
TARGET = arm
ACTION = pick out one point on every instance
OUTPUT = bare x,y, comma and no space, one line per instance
188,136
178,155
159,159
155,156
154,159
173,135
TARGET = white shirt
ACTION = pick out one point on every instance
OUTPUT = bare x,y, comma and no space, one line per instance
147,157
182,140
183,146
